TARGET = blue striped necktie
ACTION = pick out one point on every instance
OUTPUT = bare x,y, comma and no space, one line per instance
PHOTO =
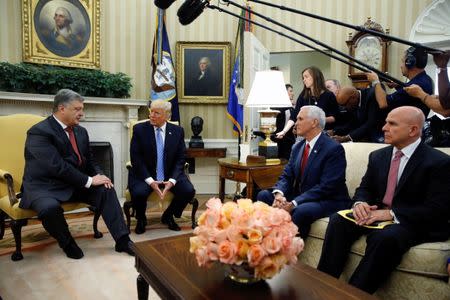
159,155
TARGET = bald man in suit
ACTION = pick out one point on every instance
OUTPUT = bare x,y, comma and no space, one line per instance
408,183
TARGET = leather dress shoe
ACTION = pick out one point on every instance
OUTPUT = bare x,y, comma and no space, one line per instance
168,220
125,247
140,226
73,251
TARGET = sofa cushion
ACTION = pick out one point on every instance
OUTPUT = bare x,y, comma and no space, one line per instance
427,258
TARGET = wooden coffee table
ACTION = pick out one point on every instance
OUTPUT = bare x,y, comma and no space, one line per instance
173,273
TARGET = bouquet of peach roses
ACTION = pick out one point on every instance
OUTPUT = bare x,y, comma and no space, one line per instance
250,233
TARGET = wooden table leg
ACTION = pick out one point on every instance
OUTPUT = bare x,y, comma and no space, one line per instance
222,188
142,288
250,190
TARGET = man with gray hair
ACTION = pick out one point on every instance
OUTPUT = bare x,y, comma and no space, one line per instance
59,168
61,39
205,82
312,185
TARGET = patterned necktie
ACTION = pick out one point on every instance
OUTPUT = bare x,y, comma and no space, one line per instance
392,179
73,142
159,155
304,158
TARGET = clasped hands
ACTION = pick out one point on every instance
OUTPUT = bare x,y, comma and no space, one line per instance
281,202
155,185
366,214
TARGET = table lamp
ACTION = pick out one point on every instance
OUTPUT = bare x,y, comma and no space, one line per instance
268,90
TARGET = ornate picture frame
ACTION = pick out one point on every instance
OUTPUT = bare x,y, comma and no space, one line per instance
203,72
62,32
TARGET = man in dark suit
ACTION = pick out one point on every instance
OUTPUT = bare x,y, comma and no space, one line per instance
412,67
365,122
205,82
157,153
312,184
408,183
59,168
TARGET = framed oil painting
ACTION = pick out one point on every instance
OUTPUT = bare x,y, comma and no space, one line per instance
62,32
203,72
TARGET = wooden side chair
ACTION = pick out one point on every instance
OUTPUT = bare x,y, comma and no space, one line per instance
153,199
13,132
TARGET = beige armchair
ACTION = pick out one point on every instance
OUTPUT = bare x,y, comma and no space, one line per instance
13,132
153,199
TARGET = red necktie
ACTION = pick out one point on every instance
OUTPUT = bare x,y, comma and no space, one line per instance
304,158
73,142
392,179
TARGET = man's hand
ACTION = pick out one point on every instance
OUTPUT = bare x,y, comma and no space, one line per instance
441,59
288,206
363,212
415,91
372,76
102,179
378,215
330,132
279,201
155,186
167,186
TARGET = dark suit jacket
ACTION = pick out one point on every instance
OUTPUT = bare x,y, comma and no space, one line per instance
366,119
421,200
143,154
51,165
324,174
208,85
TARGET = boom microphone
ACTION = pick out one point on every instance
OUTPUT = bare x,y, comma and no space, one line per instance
164,4
190,10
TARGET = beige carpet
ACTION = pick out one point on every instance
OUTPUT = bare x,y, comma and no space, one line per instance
46,273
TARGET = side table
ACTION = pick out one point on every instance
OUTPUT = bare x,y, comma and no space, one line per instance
264,175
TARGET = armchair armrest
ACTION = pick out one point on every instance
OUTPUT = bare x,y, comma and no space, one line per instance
10,184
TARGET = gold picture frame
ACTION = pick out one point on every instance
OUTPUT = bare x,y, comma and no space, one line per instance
210,86
62,32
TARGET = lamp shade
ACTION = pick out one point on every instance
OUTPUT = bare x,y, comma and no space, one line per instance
268,90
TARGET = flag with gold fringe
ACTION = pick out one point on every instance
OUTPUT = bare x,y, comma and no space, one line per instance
163,81
235,110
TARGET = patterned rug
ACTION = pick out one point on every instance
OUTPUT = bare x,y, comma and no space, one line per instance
80,225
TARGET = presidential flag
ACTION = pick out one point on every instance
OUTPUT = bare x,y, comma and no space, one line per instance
163,81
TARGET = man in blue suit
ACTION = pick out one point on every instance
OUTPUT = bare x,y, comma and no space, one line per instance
157,153
312,185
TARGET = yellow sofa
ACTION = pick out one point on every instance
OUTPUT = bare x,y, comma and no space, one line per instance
13,132
422,274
